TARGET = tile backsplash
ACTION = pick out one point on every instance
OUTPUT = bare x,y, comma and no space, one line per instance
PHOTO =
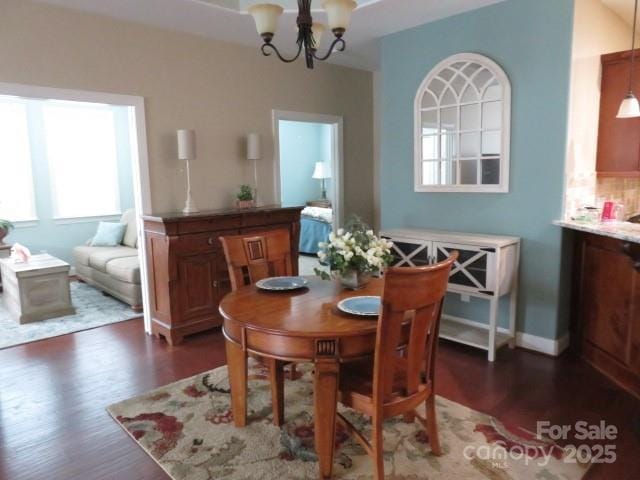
621,190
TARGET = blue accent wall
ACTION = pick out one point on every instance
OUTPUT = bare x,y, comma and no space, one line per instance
56,237
531,40
302,144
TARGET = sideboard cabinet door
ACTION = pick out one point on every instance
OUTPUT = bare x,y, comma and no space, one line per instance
197,286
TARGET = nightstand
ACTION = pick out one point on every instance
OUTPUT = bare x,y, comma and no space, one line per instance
319,203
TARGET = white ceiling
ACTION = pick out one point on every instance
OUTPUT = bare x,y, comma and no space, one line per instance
624,9
288,5
371,20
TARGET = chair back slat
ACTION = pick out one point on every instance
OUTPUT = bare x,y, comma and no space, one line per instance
417,294
251,258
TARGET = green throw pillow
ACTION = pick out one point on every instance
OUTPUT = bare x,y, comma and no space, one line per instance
108,234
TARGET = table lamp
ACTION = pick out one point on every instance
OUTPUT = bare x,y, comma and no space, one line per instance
187,152
322,172
254,154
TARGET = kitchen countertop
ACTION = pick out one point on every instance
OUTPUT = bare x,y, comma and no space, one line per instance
626,231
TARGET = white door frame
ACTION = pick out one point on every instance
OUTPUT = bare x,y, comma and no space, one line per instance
336,123
139,155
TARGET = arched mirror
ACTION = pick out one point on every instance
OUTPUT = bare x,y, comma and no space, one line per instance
462,127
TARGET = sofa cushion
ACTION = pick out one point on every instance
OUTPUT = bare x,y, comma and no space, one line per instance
100,259
109,234
125,269
131,234
82,253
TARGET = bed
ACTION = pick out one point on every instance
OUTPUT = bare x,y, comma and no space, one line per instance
315,226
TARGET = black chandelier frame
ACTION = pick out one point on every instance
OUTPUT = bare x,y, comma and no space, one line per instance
305,41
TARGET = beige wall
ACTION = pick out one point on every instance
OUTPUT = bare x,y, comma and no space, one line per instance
597,30
221,90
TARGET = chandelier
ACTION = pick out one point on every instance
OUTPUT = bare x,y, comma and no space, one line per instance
309,33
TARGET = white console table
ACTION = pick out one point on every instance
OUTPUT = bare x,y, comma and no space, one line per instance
487,268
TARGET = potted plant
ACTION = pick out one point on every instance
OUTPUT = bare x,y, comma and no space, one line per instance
353,254
244,198
5,227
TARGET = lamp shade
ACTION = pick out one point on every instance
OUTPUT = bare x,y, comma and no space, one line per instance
629,108
321,171
266,17
186,144
253,146
339,13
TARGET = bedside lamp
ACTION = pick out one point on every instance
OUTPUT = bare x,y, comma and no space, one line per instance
187,152
322,172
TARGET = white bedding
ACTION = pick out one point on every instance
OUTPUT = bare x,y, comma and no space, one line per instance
324,214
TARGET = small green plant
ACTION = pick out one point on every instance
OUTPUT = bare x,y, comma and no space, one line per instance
245,194
6,225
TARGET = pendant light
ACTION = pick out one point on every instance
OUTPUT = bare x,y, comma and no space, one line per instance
309,33
629,108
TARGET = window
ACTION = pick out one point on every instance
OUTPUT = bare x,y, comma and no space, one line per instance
81,151
16,184
462,125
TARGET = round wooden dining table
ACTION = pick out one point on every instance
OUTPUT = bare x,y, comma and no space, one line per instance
298,326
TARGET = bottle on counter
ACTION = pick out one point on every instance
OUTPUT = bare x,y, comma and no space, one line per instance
612,212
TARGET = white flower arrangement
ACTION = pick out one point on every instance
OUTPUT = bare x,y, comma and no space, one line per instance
354,248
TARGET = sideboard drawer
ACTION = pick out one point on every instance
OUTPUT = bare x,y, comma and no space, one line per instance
202,242
209,224
270,219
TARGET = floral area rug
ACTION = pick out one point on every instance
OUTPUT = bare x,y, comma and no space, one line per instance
93,309
187,427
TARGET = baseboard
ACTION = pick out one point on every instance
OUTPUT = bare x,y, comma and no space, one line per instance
544,345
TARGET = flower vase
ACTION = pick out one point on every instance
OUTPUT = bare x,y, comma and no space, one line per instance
354,280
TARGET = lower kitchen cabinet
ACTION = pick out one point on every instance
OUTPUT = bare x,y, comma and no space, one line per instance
606,307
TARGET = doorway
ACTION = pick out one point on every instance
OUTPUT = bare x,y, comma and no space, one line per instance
308,173
122,122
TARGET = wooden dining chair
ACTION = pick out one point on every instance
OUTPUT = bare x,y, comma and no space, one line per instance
251,258
401,377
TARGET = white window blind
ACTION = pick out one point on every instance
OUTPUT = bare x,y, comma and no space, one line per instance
81,151
16,181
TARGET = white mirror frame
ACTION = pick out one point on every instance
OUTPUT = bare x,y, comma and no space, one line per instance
501,76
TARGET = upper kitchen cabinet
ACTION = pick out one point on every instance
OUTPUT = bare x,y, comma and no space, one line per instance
618,138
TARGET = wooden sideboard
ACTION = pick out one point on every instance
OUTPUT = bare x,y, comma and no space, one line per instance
187,271
606,307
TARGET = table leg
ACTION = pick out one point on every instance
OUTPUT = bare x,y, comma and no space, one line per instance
276,379
237,367
325,390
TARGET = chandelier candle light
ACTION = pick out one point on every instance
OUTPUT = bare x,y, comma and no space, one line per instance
309,33
629,108
187,152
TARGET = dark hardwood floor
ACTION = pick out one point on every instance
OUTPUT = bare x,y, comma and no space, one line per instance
53,394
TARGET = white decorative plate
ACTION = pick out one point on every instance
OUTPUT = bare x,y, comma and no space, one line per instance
281,283
366,306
